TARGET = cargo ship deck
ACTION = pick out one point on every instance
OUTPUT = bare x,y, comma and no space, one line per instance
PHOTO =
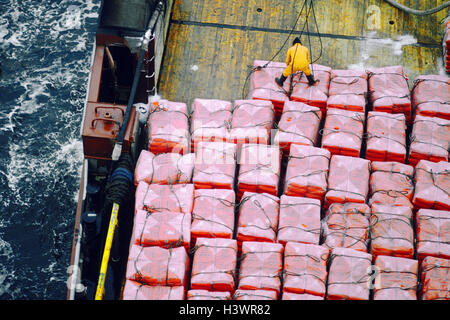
212,44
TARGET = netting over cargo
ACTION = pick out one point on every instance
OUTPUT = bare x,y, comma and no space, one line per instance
254,295
392,232
435,279
348,90
210,120
348,180
307,172
215,165
389,91
158,266
259,169
316,95
168,127
348,276
252,121
261,266
386,137
213,214
343,132
391,183
346,228
432,186
258,217
433,233
137,291
431,96
163,229
164,168
299,220
214,264
207,295
157,197
263,86
396,278
299,124
430,139
305,269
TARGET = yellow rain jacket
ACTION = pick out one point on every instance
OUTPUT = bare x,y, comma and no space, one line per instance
297,60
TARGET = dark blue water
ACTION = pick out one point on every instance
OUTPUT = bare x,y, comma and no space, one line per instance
45,51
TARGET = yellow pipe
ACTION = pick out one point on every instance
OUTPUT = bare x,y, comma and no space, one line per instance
106,253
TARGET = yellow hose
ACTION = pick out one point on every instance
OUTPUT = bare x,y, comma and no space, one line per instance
106,253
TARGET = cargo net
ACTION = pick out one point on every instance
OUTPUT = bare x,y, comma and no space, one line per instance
138,291
257,218
346,226
349,275
263,86
386,137
255,295
343,132
259,169
433,234
215,165
163,229
299,220
210,121
348,90
164,168
316,95
168,127
432,187
252,122
396,278
213,214
305,269
435,279
391,183
389,91
261,266
430,140
155,266
431,96
214,265
159,198
207,295
307,172
299,124
392,231
347,180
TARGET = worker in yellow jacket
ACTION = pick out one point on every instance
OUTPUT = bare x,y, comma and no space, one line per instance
297,60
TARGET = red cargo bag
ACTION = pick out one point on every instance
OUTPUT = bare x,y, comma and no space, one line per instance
433,233
435,279
300,296
215,165
138,291
163,229
168,127
210,121
299,124
396,278
261,266
214,264
213,214
207,295
431,96
255,295
348,276
349,207
392,232
348,90
157,266
307,172
348,180
299,220
305,268
252,122
432,186
257,217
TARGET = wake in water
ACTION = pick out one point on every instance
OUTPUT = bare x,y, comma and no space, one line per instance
45,50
